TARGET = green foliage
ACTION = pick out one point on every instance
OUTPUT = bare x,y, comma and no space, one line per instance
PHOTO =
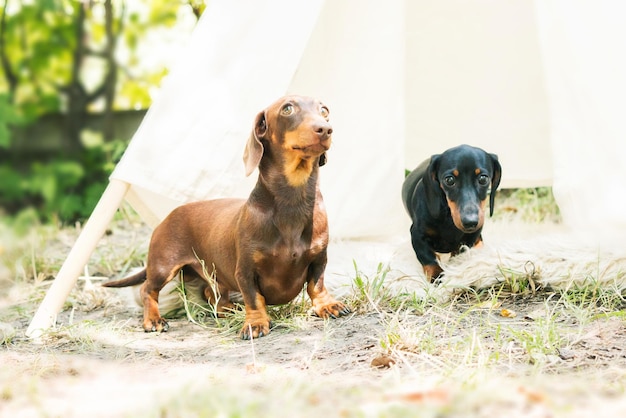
8,117
41,49
38,42
536,204
68,56
63,188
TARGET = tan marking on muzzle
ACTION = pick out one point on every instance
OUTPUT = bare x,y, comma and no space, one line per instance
455,211
299,162
456,214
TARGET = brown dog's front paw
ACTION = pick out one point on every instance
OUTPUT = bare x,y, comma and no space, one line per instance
324,305
255,331
330,308
257,324
155,325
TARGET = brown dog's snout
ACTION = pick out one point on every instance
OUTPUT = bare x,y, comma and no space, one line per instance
323,130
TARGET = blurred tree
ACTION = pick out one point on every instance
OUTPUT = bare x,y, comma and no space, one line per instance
74,58
65,56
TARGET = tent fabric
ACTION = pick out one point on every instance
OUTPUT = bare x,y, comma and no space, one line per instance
582,46
243,56
474,75
190,144
540,84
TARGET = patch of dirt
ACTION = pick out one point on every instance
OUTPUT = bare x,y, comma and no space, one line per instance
469,355
103,354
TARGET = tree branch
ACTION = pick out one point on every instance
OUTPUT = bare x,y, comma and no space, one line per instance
6,64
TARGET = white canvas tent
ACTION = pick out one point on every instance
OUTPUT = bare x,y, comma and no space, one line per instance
542,84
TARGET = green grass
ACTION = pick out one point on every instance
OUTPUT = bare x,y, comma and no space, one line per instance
492,327
528,204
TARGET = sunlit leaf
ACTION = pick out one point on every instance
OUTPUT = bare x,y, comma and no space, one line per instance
507,313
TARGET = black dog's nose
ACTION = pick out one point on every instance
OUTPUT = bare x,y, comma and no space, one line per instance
470,221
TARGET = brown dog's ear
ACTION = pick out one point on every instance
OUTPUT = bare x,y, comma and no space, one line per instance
432,188
254,148
495,181
322,159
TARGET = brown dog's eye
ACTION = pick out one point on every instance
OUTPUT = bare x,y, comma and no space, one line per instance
449,181
287,110
483,180
324,111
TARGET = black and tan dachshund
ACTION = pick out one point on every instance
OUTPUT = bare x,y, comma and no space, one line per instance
445,197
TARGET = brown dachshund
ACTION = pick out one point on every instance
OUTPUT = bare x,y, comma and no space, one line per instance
445,197
266,247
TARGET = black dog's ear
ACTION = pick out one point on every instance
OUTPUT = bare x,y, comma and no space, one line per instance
322,159
254,148
431,186
495,181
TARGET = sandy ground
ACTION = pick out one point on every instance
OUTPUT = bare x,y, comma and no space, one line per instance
98,362
314,367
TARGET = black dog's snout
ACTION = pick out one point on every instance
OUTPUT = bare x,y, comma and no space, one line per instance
470,221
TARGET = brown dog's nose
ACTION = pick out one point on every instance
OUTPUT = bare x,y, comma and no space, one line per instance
323,130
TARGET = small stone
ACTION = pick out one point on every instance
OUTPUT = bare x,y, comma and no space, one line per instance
566,354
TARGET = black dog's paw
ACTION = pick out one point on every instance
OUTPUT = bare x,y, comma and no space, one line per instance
433,272
438,281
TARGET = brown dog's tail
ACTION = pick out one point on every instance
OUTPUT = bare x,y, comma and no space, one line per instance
128,281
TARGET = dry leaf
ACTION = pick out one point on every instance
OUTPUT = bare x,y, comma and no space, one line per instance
507,313
382,362
252,368
532,395
435,395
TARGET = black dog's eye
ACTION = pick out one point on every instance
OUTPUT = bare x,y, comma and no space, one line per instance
483,180
287,110
324,111
449,181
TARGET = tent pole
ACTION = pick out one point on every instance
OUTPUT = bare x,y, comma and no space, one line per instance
93,230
